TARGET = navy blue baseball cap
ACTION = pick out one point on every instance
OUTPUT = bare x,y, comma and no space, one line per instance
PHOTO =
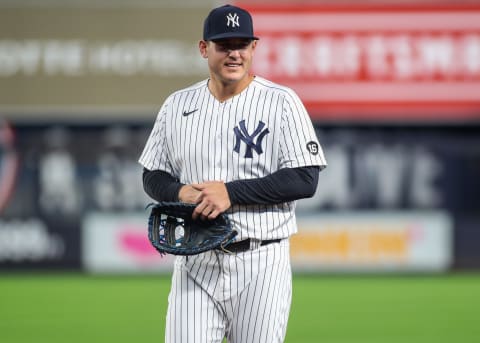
228,22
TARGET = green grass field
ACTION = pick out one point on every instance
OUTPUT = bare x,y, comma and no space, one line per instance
330,309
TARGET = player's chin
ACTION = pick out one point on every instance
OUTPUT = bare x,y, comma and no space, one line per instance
234,75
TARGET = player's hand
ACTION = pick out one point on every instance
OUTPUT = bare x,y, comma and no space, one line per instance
213,198
189,195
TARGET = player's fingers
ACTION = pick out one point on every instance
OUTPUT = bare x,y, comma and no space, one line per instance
214,214
206,212
197,212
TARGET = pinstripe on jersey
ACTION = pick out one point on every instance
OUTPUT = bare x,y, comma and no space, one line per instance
197,138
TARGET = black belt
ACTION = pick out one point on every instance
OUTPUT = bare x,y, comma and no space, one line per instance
244,245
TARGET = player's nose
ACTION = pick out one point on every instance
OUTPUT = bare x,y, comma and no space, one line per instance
234,53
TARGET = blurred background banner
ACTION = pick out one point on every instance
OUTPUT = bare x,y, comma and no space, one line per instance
393,89
374,62
93,56
114,243
360,62
372,242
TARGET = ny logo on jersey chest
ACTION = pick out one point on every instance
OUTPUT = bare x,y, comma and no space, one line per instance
253,141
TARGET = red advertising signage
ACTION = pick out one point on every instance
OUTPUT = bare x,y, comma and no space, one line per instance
374,63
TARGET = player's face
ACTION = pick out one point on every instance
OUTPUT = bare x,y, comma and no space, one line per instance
229,60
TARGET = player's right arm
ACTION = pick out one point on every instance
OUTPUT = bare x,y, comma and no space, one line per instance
162,186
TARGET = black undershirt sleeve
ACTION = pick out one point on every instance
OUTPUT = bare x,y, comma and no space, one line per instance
284,185
160,185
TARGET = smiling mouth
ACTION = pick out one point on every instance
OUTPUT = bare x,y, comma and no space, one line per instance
232,65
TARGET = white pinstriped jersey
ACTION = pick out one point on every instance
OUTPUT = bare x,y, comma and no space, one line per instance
197,138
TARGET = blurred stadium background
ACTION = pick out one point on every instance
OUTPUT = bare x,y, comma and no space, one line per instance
389,247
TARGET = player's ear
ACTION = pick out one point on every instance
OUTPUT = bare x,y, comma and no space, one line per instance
202,46
254,45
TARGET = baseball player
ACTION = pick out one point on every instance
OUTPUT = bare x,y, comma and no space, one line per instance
237,144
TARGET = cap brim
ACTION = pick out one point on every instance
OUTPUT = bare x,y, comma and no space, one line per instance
231,35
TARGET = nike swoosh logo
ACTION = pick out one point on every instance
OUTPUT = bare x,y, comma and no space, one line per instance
187,113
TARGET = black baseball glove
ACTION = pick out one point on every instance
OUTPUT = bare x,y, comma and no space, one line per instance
171,230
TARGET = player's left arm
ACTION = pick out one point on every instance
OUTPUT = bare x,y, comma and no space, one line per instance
287,184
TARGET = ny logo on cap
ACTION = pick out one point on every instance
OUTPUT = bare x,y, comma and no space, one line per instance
233,19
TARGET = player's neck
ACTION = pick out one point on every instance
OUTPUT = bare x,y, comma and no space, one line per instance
223,91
